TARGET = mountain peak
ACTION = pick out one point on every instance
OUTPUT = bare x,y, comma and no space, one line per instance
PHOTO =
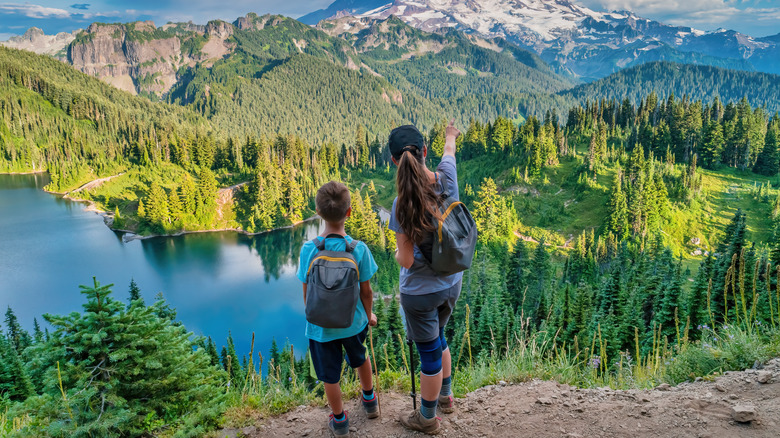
572,38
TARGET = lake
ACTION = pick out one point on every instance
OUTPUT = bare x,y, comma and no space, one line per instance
218,282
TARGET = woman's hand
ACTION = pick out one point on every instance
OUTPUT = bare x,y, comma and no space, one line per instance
451,131
450,134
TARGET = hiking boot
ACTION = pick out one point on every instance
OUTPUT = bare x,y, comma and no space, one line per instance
371,406
339,428
416,421
446,404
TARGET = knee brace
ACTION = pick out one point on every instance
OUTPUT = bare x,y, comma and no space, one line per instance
430,357
444,345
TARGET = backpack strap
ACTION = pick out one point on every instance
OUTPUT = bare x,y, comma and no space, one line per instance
320,244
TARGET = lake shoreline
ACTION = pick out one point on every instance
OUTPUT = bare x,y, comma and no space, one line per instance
130,235
32,172
135,236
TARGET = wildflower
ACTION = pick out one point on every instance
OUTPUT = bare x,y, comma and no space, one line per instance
698,327
731,336
289,379
595,361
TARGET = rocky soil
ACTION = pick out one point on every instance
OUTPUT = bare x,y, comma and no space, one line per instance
736,404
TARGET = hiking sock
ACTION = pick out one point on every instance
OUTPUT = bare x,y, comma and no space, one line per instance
368,394
446,386
340,417
428,408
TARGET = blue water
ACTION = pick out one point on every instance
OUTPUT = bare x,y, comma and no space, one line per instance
218,282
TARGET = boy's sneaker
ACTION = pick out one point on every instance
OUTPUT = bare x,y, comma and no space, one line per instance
371,406
446,404
416,421
339,428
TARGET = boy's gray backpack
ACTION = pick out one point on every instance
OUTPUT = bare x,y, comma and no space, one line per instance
332,286
455,238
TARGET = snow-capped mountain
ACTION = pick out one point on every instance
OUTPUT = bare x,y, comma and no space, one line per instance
572,38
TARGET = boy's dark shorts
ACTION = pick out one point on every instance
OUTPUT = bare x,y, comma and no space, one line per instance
328,356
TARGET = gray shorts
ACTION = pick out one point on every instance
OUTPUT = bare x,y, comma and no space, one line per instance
426,314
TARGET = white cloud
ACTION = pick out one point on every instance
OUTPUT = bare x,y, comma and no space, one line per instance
34,11
5,36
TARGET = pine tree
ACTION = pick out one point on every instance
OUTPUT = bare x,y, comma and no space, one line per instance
18,338
538,277
211,349
111,360
135,293
767,162
15,383
395,327
157,206
141,210
697,304
517,274
618,209
187,192
37,333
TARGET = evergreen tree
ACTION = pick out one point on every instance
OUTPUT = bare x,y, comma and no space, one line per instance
111,359
211,349
767,162
135,293
15,383
18,337
37,333
395,328
618,209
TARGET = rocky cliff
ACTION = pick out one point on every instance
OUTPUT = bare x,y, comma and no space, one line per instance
143,59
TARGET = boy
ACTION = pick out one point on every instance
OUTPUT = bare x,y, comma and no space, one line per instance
325,344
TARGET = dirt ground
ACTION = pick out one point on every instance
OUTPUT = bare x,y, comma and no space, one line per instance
548,409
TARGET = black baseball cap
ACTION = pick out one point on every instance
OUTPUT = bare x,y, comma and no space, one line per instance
403,136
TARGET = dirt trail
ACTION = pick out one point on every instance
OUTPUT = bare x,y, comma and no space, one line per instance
225,198
547,409
94,183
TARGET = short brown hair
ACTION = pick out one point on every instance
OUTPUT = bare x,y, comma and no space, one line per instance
332,201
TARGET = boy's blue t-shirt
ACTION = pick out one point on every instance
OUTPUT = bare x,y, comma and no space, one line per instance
367,267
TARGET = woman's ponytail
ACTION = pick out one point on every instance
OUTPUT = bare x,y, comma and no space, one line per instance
416,206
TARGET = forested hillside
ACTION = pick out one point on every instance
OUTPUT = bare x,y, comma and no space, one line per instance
696,82
274,80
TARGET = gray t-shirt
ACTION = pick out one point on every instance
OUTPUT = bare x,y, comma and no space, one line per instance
420,279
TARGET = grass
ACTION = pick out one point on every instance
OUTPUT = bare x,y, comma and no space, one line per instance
537,355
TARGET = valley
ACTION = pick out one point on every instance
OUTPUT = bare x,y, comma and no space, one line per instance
623,174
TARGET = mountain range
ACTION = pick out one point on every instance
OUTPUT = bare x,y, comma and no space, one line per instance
573,39
390,64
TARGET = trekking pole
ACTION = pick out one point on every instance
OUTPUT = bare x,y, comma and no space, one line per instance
373,365
411,374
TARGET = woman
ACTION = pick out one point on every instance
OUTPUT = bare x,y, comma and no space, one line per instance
426,297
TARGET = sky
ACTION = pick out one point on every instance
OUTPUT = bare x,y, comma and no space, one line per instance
753,17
